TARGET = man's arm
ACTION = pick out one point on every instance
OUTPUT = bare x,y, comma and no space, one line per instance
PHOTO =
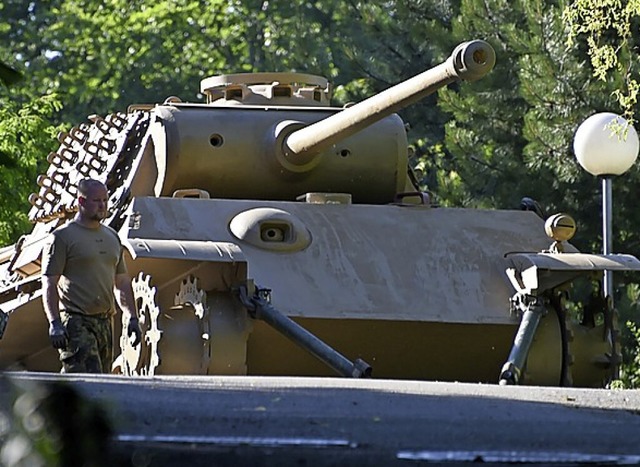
124,295
127,303
50,297
50,300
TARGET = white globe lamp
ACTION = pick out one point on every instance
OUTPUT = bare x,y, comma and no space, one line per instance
605,145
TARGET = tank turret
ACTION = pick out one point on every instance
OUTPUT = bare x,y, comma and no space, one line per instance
269,233
296,143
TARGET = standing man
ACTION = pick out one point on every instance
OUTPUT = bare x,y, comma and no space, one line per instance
82,270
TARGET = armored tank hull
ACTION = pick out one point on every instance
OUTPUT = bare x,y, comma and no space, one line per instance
270,234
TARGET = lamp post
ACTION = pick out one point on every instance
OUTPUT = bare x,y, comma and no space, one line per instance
604,152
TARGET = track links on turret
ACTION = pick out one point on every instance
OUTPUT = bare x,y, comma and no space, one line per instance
104,149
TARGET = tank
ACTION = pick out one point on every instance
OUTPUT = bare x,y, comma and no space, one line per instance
268,233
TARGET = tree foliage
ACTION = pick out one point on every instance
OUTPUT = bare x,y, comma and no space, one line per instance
103,56
25,134
511,135
608,28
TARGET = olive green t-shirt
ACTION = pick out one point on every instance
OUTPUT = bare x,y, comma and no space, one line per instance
87,261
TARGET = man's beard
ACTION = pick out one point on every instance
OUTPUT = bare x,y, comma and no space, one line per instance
98,216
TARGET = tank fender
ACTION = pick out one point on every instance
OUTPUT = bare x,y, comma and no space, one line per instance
533,273
184,249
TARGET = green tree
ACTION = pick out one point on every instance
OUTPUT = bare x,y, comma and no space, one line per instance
610,30
25,134
104,56
511,133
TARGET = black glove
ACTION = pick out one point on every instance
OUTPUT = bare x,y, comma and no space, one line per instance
58,334
134,329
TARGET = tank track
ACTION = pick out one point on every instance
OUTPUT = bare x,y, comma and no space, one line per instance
105,149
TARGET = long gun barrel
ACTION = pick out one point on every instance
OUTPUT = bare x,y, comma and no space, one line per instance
469,61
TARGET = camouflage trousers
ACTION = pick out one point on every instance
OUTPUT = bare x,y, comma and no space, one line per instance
90,344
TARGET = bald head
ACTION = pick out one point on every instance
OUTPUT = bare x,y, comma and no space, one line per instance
86,185
93,199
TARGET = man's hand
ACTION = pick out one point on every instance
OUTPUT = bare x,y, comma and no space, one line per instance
134,329
58,334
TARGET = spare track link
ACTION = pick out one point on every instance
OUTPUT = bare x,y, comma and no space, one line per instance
103,149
